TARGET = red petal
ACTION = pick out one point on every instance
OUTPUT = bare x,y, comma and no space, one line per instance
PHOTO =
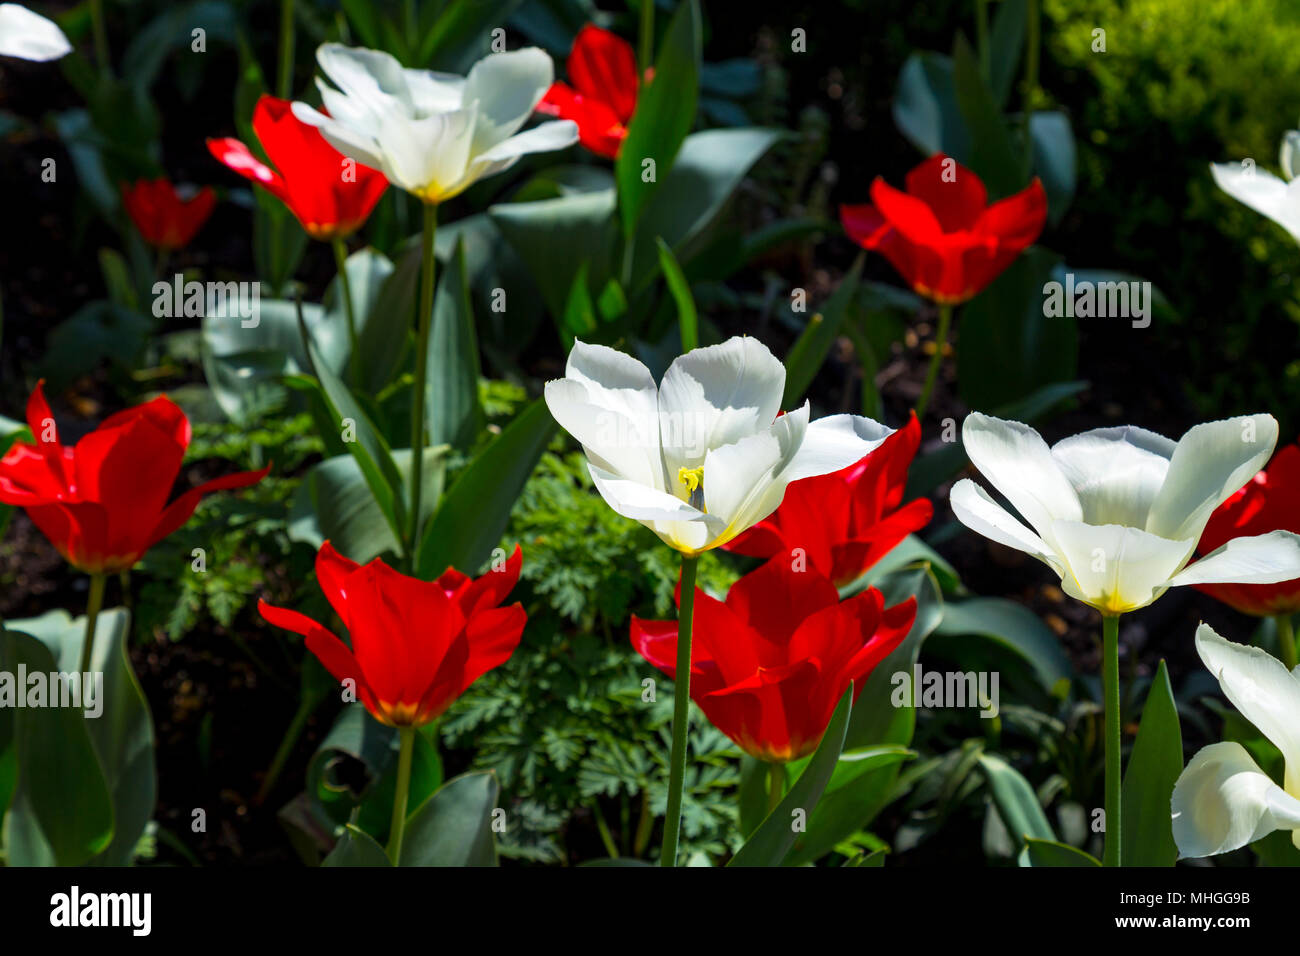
602,65
955,194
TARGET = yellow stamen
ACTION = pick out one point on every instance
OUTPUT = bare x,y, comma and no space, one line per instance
690,477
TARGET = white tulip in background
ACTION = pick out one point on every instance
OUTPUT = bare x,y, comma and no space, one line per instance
29,35
434,134
704,456
1117,512
1263,192
1222,800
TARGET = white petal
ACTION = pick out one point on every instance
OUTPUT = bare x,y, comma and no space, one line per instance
1223,801
543,138
1116,472
715,396
507,87
345,139
29,36
1288,152
1262,192
426,156
1018,463
685,528
1258,685
1210,463
1262,559
372,77
835,442
1114,568
743,481
433,92
974,508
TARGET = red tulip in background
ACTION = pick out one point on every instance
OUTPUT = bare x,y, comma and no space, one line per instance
770,663
103,502
331,200
416,645
602,68
941,234
165,219
1268,502
846,521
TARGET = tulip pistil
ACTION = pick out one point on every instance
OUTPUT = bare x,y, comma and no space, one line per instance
693,480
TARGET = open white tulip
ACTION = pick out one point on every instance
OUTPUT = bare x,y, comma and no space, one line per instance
1262,191
1222,800
705,455
29,36
434,134
1117,512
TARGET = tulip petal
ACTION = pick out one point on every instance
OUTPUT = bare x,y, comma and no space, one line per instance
1262,192
1116,472
1114,568
743,481
1223,801
954,193
1263,559
29,36
1016,460
833,443
507,87
371,78
977,510
1209,463
602,65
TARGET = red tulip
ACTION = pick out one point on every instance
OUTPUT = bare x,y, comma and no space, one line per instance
103,502
844,522
416,645
941,234
1268,502
331,196
602,99
165,219
770,663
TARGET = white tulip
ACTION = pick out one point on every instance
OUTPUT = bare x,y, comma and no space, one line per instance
1117,512
1262,191
29,35
434,134
704,456
1222,800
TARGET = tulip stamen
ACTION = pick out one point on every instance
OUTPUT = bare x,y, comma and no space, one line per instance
693,480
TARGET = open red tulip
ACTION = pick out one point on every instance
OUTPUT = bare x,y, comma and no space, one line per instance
165,219
103,502
770,663
941,235
331,196
844,522
1268,502
416,645
602,68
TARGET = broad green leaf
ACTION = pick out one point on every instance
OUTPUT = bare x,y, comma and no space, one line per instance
453,413
1015,800
681,292
454,826
775,835
1039,852
1054,160
925,107
462,34
1006,41
814,343
993,156
356,848
474,513
1153,767
910,551
1014,627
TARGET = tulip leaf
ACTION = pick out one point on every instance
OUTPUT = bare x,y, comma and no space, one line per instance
925,107
454,826
615,861
579,312
454,416
665,112
681,291
771,842
993,156
1054,160
362,438
356,847
1006,41
1015,800
461,33
474,513
1012,627
814,343
1039,852
1153,768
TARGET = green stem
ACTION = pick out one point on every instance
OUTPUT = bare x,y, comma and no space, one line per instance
284,78
398,827
345,284
1113,855
644,826
681,712
423,322
93,604
647,36
775,786
606,838
1286,640
100,32
932,373
291,735
1032,27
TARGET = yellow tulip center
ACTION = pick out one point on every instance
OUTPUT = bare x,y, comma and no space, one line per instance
692,480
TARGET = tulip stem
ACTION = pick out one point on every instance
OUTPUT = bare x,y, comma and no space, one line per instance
423,322
647,36
93,604
398,828
1113,854
1286,640
776,786
284,81
932,374
345,286
681,711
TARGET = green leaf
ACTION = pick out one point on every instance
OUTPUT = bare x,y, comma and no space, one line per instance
814,343
454,826
474,513
1054,160
1153,768
1015,800
665,111
1014,627
356,847
1006,41
993,156
451,399
775,835
461,34
925,107
1038,852
681,292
